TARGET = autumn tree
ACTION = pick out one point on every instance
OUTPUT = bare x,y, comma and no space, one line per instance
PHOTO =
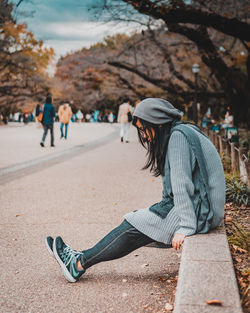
92,83
164,59
23,63
220,32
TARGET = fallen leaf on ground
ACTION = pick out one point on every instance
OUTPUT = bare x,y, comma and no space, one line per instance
214,302
236,248
244,274
228,219
17,215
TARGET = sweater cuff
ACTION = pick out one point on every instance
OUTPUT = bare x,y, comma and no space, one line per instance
185,231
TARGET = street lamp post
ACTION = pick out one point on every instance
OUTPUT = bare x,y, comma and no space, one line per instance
195,69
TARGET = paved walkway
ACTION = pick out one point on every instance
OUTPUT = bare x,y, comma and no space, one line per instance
80,198
85,138
20,143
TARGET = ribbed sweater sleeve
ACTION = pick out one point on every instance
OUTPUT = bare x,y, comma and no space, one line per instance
181,162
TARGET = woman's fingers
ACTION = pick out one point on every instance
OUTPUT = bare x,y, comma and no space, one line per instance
178,245
175,244
178,241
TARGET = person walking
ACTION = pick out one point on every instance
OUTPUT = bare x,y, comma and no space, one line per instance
48,120
193,194
64,114
111,117
38,109
79,116
123,119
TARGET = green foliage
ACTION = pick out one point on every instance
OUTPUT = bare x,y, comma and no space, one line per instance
236,191
226,162
239,237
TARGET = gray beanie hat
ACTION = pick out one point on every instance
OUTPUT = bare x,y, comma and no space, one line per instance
157,111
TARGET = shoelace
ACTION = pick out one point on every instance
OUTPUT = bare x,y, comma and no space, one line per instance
68,254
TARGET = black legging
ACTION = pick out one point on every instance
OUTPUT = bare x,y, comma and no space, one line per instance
119,242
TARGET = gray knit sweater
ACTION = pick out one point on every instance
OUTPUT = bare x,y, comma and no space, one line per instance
185,178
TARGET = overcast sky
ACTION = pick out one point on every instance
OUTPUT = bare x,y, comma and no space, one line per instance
65,25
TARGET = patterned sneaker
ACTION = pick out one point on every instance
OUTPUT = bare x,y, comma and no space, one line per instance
67,259
49,244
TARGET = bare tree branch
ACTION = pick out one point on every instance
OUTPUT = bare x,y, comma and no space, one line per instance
20,1
188,14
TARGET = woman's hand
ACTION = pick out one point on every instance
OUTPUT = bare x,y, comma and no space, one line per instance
178,241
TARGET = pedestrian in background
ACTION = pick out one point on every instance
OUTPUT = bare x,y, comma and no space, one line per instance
79,116
48,120
193,196
25,118
111,117
123,118
64,114
20,117
38,109
87,118
229,119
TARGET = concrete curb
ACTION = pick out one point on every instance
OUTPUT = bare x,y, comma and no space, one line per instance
207,273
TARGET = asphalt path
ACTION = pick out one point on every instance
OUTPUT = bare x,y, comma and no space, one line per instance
81,197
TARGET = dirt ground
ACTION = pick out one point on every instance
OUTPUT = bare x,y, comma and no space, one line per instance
237,226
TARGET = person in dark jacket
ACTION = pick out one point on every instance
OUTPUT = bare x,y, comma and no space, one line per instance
48,121
38,108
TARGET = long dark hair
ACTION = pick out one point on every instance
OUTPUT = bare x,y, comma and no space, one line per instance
157,145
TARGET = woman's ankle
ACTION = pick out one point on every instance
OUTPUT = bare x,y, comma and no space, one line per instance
79,265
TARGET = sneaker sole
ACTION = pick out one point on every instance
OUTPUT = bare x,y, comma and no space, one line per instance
66,273
49,249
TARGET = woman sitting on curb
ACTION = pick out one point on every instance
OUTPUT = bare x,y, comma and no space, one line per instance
193,194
